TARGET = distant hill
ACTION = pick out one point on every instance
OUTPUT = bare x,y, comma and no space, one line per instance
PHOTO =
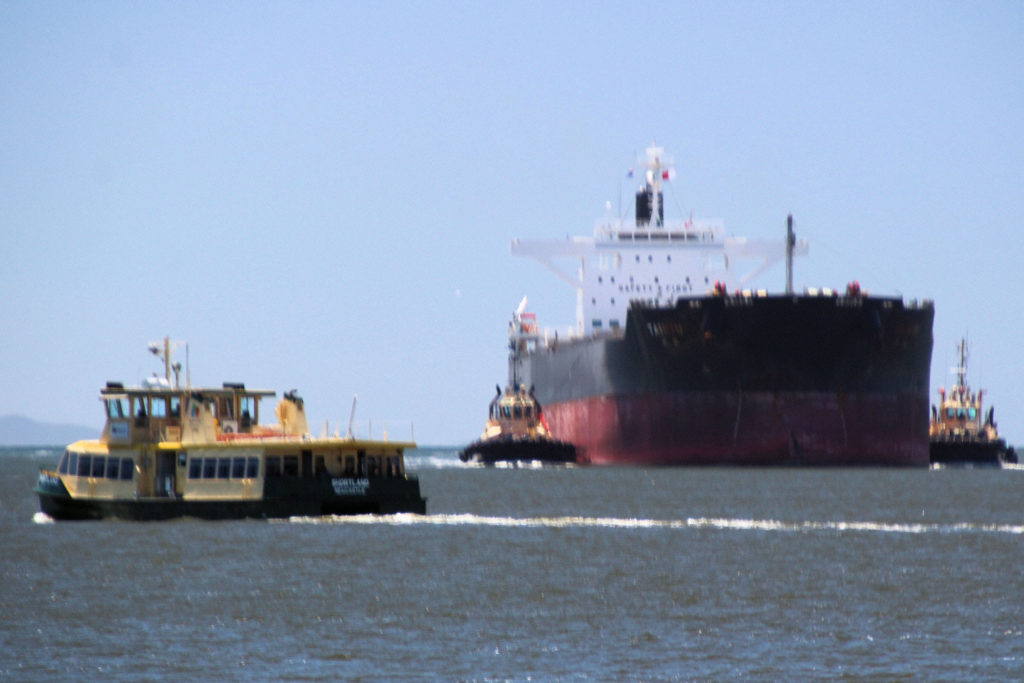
16,430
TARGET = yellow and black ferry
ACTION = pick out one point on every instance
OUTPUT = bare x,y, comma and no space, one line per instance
170,452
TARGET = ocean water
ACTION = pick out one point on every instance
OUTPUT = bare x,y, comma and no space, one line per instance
536,574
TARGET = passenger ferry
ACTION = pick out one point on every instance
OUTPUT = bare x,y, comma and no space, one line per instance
170,452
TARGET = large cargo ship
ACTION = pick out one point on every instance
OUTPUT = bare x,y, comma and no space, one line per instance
675,361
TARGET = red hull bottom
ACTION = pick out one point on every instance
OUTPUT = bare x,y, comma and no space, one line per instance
759,429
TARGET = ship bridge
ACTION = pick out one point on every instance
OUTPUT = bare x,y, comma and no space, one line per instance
652,260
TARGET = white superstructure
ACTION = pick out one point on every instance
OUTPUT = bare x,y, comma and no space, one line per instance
650,259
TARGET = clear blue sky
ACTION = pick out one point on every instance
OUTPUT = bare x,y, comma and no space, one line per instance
321,195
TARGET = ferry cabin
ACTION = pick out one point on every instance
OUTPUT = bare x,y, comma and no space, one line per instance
163,443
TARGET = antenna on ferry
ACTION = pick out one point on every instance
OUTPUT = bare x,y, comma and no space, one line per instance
351,416
163,350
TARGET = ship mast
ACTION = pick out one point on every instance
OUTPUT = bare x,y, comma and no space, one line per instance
790,242
961,369
163,351
658,168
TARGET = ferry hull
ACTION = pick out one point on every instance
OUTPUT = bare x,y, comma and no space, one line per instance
756,429
289,499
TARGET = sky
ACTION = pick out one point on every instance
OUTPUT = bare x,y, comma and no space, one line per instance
320,196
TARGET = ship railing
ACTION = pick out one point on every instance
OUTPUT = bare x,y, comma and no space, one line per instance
371,429
701,232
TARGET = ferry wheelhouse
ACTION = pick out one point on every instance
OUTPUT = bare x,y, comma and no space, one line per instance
168,451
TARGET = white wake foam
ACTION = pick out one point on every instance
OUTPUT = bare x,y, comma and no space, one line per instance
716,523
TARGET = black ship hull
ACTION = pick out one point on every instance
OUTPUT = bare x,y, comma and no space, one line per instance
282,498
952,451
745,380
490,451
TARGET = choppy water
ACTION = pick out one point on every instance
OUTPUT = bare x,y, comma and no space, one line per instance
537,573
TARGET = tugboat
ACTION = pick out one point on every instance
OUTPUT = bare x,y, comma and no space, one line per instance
958,435
516,430
170,451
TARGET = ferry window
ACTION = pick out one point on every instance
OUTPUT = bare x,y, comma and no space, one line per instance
225,409
238,468
85,466
113,467
63,468
175,406
223,468
209,468
392,466
248,407
99,464
273,466
350,465
252,469
374,465
291,465
117,407
158,407
127,469
195,468
320,467
73,464
139,406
